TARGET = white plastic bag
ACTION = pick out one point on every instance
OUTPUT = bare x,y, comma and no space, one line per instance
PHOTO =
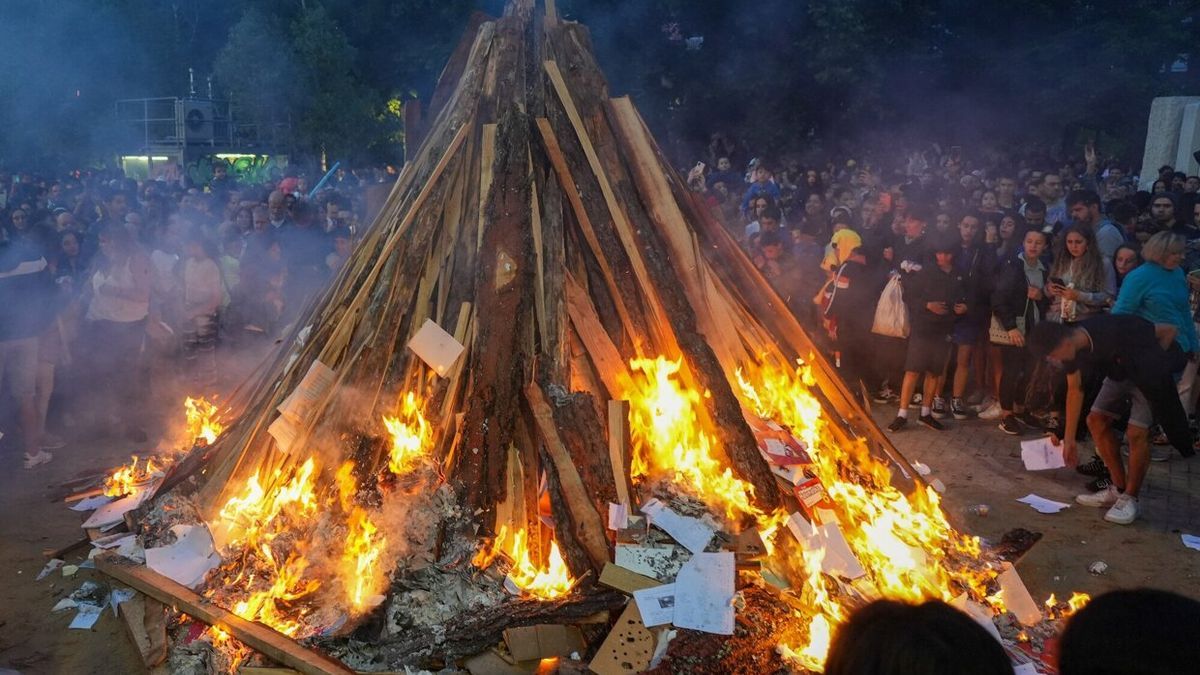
891,316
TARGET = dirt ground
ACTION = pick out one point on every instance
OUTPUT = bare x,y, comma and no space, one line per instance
977,463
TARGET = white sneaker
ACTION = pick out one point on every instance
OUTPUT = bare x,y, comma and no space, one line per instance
992,412
40,458
1124,511
1160,453
1106,497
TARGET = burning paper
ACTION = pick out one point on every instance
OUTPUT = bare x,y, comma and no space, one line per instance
838,560
189,559
91,503
1016,597
114,512
693,533
437,348
704,593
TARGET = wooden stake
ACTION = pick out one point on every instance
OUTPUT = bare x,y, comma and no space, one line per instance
618,448
273,645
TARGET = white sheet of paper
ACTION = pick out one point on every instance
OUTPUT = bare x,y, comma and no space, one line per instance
1025,669
1191,541
656,605
113,513
86,618
838,560
1043,505
91,503
112,541
1016,597
693,533
285,431
437,348
657,563
704,593
977,612
188,559
52,565
313,387
618,516
1040,454
64,604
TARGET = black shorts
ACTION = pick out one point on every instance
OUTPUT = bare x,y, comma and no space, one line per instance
927,353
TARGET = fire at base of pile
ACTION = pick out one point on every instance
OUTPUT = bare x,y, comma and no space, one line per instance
385,570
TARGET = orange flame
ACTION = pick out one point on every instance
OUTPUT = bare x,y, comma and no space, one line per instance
411,435
545,583
202,422
124,480
364,547
1056,609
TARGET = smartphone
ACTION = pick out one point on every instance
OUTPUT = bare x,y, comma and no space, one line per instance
1057,282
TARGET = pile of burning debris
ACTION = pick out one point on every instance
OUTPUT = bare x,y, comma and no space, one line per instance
621,452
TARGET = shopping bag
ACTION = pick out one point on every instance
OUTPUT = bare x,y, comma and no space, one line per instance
891,316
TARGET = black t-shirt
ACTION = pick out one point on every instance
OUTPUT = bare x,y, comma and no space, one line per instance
1119,342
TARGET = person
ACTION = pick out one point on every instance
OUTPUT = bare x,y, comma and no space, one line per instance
937,295
203,295
764,184
976,267
1129,354
1018,303
1084,206
1124,261
1078,285
1009,233
119,302
856,285
342,245
888,637
1162,213
844,240
26,309
1132,631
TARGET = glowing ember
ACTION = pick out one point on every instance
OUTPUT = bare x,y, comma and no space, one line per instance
202,422
124,480
545,583
410,433
273,606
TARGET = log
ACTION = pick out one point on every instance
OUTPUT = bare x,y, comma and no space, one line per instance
504,284
583,436
586,523
480,630
270,643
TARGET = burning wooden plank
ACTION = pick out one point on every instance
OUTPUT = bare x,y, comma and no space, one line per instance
270,643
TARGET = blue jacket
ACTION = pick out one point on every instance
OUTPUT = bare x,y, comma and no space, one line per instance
1159,295
770,188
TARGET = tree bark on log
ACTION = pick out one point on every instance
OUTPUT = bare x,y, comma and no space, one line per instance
481,630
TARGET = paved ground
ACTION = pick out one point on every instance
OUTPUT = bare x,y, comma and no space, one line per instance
981,465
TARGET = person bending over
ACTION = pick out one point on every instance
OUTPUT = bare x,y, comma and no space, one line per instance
1131,353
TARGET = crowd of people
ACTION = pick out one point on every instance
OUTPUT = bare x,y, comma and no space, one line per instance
113,289
927,279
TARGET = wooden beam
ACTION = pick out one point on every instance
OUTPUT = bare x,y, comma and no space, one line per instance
145,620
618,448
609,364
270,643
589,528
